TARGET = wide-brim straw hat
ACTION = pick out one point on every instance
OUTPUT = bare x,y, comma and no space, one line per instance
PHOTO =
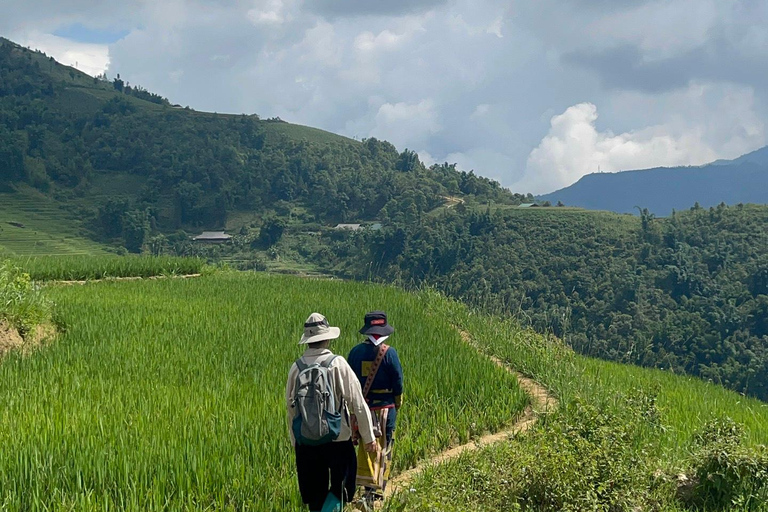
376,323
317,329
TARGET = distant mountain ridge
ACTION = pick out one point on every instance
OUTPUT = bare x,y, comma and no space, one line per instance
663,189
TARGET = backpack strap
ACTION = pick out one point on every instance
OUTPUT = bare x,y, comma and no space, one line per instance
375,368
328,361
301,365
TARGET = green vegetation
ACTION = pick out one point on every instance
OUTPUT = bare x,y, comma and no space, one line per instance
63,268
78,140
22,305
688,293
168,394
32,223
621,440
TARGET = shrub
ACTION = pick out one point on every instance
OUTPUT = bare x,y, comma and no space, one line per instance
21,302
588,459
726,475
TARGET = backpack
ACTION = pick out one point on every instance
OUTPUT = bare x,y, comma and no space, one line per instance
317,420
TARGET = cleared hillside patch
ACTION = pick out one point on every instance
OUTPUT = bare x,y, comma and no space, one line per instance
32,224
167,394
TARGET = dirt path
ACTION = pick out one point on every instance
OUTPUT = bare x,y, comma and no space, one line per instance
542,402
133,278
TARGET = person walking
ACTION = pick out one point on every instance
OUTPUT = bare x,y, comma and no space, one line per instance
321,392
380,373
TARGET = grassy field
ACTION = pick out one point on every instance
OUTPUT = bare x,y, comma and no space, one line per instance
47,229
167,394
78,268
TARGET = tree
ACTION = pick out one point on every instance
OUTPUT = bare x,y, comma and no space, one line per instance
135,229
271,231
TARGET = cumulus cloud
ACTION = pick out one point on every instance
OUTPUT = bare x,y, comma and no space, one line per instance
575,146
89,58
347,8
406,124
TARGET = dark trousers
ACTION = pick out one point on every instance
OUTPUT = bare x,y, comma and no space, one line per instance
391,421
328,467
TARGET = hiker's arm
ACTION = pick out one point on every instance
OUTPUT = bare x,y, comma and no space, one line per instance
353,394
396,376
289,390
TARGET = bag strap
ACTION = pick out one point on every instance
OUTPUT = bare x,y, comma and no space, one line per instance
328,361
374,368
301,365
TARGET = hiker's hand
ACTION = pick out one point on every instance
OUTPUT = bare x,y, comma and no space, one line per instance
372,447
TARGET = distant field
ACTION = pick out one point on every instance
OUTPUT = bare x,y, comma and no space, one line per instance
78,268
47,229
168,394
306,133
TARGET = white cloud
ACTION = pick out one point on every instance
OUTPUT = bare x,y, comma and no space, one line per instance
575,147
269,12
89,58
406,125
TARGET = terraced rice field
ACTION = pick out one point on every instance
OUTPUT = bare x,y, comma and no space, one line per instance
47,229
168,394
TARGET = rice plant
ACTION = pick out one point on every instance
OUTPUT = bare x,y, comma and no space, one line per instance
168,394
81,268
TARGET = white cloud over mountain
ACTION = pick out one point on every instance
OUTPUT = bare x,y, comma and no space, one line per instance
476,82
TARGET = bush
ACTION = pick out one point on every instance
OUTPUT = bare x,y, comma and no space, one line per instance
21,303
726,475
588,459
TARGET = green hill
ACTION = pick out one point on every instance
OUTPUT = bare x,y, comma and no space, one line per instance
134,166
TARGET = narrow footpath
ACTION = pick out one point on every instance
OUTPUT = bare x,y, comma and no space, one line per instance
542,402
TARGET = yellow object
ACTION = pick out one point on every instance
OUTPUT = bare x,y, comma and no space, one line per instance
373,468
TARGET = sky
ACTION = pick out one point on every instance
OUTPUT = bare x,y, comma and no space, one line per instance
532,93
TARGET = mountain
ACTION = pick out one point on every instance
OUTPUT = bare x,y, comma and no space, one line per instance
661,190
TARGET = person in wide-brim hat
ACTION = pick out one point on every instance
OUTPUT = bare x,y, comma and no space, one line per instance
326,472
317,329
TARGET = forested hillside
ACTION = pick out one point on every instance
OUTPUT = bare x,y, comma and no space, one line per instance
688,293
135,164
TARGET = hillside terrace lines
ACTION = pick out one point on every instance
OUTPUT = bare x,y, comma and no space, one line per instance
542,403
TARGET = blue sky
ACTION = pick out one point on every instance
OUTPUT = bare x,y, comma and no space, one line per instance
533,93
80,33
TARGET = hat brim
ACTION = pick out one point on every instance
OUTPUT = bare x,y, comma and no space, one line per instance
380,330
332,334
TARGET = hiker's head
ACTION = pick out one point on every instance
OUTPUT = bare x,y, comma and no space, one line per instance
319,344
376,327
318,331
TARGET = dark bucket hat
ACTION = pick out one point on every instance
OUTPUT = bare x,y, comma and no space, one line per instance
376,323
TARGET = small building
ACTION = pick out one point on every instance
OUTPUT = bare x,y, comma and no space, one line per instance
213,237
351,227
528,205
